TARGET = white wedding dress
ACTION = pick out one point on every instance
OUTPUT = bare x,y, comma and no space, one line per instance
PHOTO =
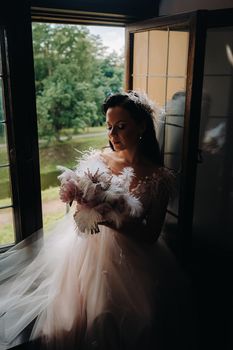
102,291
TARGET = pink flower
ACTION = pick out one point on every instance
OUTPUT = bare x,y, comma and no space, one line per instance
68,191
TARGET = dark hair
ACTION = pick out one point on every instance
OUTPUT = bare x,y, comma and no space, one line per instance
141,110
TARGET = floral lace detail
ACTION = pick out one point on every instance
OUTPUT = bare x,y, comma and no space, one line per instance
159,183
162,177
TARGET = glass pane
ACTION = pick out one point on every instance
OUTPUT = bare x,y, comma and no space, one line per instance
6,226
140,53
175,86
2,114
176,105
176,120
3,145
178,53
173,161
140,83
218,90
173,139
0,61
157,90
5,187
221,62
214,184
158,41
212,127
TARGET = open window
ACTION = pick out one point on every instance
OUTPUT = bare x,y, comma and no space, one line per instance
171,59
165,61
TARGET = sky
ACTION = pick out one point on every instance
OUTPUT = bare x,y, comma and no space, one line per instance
112,37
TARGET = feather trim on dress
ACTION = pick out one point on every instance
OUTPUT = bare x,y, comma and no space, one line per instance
99,195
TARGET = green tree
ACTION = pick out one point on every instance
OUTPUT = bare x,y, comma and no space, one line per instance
73,76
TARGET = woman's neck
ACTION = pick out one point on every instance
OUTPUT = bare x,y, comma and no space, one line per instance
130,158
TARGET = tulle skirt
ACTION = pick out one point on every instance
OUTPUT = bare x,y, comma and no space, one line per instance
103,291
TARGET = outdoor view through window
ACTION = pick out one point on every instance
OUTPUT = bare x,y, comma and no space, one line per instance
76,67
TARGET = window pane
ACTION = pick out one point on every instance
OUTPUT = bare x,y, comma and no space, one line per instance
158,41
213,207
175,86
218,90
157,90
172,161
5,187
221,39
176,120
0,62
2,115
140,55
3,145
140,83
173,139
178,53
6,226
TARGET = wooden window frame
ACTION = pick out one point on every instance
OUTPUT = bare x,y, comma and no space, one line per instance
195,21
20,110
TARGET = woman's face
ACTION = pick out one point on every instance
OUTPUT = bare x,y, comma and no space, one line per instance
123,131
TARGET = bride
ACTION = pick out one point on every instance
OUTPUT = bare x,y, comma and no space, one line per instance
119,288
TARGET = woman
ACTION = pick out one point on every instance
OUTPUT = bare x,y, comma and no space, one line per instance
118,289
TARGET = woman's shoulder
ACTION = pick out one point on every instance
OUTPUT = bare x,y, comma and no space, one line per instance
112,161
108,154
163,180
158,180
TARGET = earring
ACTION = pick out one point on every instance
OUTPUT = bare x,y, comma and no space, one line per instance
140,137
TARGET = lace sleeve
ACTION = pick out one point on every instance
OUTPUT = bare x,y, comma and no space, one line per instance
154,193
159,189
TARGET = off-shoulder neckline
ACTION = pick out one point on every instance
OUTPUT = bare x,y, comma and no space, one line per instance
140,179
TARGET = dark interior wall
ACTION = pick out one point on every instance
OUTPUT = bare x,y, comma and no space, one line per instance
168,7
132,8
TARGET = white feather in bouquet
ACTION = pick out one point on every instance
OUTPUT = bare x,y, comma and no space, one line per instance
100,195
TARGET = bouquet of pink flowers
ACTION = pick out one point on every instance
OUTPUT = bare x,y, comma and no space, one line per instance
100,196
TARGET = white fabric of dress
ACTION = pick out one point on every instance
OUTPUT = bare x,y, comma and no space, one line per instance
102,291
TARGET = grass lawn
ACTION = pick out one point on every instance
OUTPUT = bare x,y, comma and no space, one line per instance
50,199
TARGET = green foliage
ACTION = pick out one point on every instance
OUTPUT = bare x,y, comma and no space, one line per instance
73,76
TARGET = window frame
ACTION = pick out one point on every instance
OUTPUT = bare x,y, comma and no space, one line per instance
20,110
195,21
199,22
